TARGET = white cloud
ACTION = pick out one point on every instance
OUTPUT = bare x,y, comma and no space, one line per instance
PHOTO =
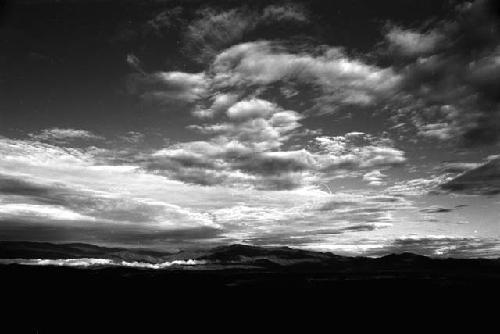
97,262
375,178
414,43
76,190
419,186
254,108
169,87
64,135
220,103
356,150
253,153
39,211
342,80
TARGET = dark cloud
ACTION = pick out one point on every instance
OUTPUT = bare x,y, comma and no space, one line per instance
165,20
483,180
270,165
213,30
453,82
99,233
334,205
458,167
39,193
436,210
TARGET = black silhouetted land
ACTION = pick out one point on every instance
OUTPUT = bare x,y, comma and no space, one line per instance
237,284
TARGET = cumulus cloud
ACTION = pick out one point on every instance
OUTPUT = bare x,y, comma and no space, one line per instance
255,108
220,102
414,43
240,150
357,150
341,79
249,149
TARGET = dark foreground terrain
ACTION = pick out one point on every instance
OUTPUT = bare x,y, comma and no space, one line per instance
231,267
237,280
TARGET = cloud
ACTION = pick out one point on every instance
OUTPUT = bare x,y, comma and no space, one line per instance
356,150
443,246
436,209
288,12
57,193
214,30
165,20
375,178
341,80
241,151
254,108
134,62
249,149
166,88
483,180
458,167
59,202
220,102
413,43
40,180
133,137
98,262
449,89
323,220
39,212
419,186
64,135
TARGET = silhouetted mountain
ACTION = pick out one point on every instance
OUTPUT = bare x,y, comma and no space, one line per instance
228,267
246,253
45,250
236,255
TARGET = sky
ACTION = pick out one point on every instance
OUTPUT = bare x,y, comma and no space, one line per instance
357,127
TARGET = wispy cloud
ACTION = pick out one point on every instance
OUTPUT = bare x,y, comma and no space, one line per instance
214,30
64,135
167,88
43,186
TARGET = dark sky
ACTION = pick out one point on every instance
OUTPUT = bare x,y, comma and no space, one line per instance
340,125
